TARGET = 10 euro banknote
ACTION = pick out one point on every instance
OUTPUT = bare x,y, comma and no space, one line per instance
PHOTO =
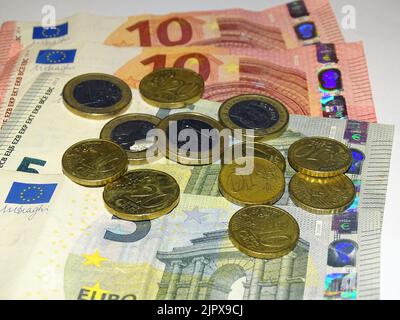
293,25
326,80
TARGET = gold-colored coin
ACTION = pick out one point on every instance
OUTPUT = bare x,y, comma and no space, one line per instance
94,162
142,195
187,140
260,150
131,132
96,95
322,195
171,88
265,116
319,157
262,182
264,232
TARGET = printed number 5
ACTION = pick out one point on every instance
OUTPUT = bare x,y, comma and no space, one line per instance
26,163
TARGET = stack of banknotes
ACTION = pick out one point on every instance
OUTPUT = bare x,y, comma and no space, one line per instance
57,239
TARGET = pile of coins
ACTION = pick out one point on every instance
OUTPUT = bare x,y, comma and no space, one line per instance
320,185
259,229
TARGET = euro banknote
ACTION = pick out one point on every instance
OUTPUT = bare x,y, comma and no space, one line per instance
286,26
65,245
42,128
69,246
327,80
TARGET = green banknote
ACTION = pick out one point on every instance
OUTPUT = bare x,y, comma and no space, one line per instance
65,245
58,240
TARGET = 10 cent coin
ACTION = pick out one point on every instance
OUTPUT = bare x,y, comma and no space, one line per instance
263,184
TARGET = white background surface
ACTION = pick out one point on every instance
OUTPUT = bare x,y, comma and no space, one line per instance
377,24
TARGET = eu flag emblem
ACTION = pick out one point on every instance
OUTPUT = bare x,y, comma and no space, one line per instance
46,33
56,56
28,193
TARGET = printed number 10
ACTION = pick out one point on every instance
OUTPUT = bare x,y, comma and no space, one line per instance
143,28
160,60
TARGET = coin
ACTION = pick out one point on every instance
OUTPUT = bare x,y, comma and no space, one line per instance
260,150
319,157
190,138
171,88
263,184
94,162
267,117
142,195
96,95
131,132
263,232
322,195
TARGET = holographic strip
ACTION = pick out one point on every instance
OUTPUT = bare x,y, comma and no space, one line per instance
356,132
341,278
330,83
333,106
305,29
347,223
341,286
297,9
326,53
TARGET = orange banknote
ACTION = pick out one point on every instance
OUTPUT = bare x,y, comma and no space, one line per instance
325,80
291,25
328,80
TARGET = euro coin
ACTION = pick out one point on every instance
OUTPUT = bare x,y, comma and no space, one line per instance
251,181
319,157
257,116
263,232
94,162
142,195
330,195
171,88
260,150
96,95
133,133
192,138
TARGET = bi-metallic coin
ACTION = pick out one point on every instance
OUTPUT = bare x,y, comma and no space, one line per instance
191,139
132,133
96,95
267,117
